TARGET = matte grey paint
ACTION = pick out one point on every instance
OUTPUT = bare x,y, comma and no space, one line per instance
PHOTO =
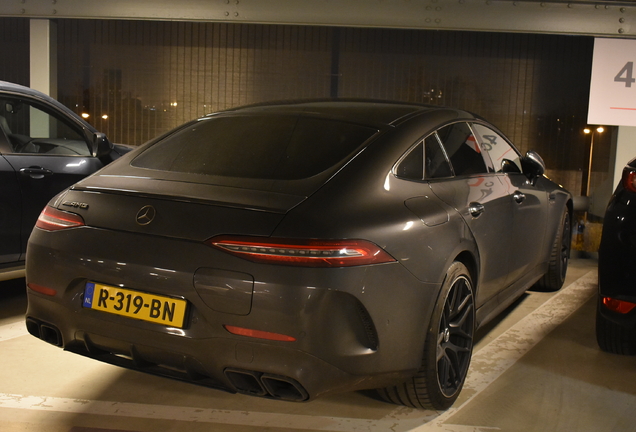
355,327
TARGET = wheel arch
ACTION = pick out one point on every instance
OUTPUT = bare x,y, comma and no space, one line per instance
470,261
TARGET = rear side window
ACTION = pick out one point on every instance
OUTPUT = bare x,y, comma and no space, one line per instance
425,161
498,149
412,166
462,149
259,147
436,165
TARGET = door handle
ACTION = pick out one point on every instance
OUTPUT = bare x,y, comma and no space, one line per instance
36,172
519,197
475,209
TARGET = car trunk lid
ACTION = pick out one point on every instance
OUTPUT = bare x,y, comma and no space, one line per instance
192,211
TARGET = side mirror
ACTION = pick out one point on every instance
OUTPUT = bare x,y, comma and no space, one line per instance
533,165
101,145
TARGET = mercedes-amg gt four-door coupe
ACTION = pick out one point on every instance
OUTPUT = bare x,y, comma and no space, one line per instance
289,250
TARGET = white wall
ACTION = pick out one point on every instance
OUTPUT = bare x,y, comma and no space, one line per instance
625,150
43,56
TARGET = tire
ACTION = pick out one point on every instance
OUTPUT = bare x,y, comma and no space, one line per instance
559,257
447,348
612,337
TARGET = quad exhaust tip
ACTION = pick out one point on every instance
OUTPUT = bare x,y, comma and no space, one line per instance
47,332
266,385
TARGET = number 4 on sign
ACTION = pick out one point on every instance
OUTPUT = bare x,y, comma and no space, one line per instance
626,75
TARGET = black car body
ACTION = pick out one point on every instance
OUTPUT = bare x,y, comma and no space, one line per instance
44,148
295,249
616,309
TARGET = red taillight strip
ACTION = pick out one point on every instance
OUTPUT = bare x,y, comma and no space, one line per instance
619,306
52,219
259,334
307,253
42,289
629,179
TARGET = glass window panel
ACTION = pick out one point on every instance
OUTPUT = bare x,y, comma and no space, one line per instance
462,149
436,163
497,147
412,166
32,129
273,147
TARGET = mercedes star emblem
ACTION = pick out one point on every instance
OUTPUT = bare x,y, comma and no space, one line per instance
146,215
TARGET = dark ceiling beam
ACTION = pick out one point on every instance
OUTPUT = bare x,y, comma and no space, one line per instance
602,18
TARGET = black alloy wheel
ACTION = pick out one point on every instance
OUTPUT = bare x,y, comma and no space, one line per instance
447,349
559,257
455,337
566,242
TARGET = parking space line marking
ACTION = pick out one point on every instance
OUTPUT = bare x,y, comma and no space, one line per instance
486,366
13,330
199,415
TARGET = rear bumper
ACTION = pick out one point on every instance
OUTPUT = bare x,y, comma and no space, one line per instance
627,321
253,368
355,328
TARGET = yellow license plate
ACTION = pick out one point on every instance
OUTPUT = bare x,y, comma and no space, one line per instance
134,304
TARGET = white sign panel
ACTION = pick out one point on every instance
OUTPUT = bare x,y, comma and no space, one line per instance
613,86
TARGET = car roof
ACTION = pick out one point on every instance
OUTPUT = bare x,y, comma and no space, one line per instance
374,113
20,90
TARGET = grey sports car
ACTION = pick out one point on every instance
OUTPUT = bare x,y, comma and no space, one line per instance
290,250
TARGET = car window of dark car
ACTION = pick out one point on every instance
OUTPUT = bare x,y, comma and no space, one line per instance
497,148
33,129
462,149
272,147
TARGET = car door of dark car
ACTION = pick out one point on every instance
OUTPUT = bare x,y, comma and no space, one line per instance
46,152
10,212
528,201
483,202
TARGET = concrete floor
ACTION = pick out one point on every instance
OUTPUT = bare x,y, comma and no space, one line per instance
537,368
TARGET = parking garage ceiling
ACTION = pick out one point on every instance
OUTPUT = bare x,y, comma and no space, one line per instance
601,18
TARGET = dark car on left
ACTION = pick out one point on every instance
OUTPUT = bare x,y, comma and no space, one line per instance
44,148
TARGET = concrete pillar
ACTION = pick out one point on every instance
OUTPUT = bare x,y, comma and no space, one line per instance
43,56
625,150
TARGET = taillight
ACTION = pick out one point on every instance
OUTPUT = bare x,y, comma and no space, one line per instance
629,179
305,253
52,219
619,306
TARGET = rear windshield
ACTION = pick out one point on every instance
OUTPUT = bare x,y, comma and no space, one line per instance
257,146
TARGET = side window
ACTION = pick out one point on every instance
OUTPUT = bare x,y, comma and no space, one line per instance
425,161
412,166
31,129
503,156
435,162
462,149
